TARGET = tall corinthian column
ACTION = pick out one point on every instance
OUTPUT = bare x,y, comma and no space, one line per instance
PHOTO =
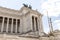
34,24
16,27
12,26
7,25
2,25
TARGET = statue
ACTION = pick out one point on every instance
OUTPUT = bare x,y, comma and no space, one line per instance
25,5
30,7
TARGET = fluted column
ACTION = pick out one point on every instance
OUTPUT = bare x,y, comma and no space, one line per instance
12,26
19,27
7,25
34,24
16,27
2,25
37,26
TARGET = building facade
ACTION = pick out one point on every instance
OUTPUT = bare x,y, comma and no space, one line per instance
23,24
17,24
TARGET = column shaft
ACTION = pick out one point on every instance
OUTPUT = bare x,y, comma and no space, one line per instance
19,27
34,23
12,26
7,24
34,26
16,27
2,25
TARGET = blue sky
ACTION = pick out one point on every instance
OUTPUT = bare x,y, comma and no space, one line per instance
52,6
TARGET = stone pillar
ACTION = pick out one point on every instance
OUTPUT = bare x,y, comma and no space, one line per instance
7,25
16,27
34,24
37,26
2,25
41,26
19,27
12,26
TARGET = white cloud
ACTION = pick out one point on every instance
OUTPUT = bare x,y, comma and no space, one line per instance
52,6
56,21
56,24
